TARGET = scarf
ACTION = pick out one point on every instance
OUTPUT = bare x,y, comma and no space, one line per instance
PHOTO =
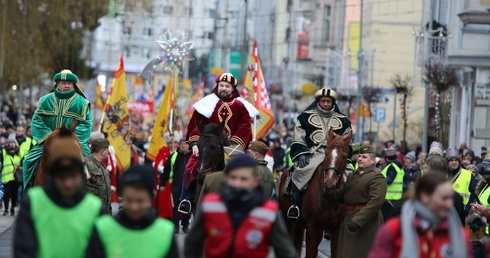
410,246
323,113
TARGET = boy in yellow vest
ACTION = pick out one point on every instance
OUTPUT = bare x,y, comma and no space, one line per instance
57,219
136,231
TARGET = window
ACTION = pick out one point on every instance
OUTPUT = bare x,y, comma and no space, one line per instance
168,9
127,52
326,25
146,53
211,13
189,11
127,30
147,31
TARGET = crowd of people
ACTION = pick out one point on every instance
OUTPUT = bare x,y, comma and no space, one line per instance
398,202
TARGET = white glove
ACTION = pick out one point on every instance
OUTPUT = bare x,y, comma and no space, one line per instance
141,160
160,168
195,150
113,188
109,168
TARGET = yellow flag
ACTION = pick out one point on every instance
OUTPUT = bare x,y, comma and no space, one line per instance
99,96
162,122
116,118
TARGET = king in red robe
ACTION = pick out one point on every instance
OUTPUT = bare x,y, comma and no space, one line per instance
223,104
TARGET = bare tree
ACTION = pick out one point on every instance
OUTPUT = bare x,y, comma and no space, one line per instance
403,85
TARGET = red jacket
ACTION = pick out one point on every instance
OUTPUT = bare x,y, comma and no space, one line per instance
432,244
251,239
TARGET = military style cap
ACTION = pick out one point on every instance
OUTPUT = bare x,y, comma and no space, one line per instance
356,148
65,75
326,92
259,147
367,149
227,77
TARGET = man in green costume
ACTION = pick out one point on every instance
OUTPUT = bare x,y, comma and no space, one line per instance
57,219
65,105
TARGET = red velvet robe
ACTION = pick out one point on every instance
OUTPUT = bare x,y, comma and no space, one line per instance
238,124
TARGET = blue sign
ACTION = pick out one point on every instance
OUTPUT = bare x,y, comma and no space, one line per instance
383,100
379,115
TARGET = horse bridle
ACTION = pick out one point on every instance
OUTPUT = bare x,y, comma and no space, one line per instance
325,169
221,143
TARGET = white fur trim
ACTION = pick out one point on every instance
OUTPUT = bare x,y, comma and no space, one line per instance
206,105
252,111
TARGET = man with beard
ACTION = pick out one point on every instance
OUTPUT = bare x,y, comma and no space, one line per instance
239,221
464,182
310,140
222,105
65,105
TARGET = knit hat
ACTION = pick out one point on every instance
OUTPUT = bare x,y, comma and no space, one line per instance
227,77
485,167
326,92
259,147
452,153
411,155
436,149
390,154
64,151
99,144
240,161
475,222
139,175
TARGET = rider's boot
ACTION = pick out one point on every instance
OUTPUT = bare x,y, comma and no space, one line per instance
293,211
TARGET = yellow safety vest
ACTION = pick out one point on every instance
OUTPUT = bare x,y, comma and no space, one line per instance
9,165
394,191
483,197
172,163
462,184
25,147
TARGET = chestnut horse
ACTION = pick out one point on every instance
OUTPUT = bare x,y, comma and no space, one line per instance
317,213
43,165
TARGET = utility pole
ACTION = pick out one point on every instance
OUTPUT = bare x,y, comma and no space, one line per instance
245,44
360,59
226,42
428,53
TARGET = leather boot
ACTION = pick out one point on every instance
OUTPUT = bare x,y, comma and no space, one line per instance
293,211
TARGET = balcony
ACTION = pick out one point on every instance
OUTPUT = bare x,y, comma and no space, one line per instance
475,17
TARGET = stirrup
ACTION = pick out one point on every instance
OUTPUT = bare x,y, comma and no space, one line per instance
185,207
293,212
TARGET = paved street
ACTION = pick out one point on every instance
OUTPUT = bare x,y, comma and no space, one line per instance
6,238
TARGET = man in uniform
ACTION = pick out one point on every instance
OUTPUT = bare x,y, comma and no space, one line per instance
224,104
258,150
464,182
363,194
65,105
99,182
310,140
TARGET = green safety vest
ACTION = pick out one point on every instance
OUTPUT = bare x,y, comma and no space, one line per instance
26,146
121,242
462,184
288,162
394,192
172,163
62,232
9,165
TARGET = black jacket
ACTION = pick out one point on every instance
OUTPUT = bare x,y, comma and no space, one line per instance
178,176
96,249
25,239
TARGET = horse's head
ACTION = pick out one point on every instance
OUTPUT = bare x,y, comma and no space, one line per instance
335,158
210,145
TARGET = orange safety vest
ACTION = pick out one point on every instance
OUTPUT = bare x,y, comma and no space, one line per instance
251,239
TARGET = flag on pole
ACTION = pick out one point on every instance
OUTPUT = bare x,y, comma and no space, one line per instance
99,96
255,92
116,118
163,121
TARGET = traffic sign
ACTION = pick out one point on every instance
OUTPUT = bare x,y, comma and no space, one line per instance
383,99
380,115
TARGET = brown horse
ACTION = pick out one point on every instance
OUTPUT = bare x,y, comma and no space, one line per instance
43,165
317,213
